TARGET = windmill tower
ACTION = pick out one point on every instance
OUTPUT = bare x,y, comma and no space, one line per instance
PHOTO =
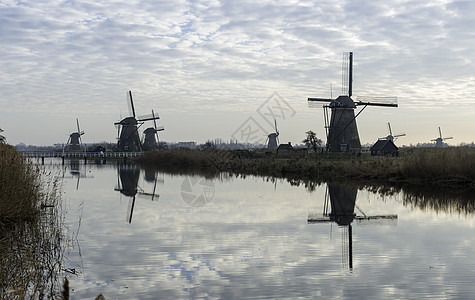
151,139
392,137
341,200
74,141
341,130
127,129
439,142
273,138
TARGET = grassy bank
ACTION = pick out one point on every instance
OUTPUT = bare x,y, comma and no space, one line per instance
30,230
448,167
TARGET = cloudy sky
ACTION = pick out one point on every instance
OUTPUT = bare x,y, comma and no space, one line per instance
214,69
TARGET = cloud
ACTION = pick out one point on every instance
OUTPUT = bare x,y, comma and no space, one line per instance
226,56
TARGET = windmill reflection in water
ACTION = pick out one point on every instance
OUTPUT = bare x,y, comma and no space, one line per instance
76,170
128,176
340,199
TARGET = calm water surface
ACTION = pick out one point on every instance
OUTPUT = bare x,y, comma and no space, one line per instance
149,235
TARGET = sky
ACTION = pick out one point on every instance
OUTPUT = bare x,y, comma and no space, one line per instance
226,69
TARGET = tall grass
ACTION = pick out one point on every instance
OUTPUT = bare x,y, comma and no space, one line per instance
449,167
30,230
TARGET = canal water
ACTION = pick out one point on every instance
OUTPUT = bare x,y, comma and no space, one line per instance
144,234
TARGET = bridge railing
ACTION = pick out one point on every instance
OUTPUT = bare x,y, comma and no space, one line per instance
40,154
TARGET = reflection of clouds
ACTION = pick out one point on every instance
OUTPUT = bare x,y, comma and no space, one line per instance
252,242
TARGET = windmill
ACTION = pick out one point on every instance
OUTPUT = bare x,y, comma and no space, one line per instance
2,138
127,129
341,200
74,141
392,137
439,142
151,139
341,130
273,138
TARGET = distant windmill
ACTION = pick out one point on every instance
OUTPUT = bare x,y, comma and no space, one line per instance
129,139
273,138
341,130
392,137
2,138
439,142
151,139
75,142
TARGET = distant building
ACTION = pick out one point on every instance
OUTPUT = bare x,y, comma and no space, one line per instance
190,145
287,151
384,148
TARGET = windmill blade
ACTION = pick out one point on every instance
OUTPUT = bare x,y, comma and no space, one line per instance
160,128
77,122
377,101
440,133
399,135
154,120
448,138
320,99
118,130
148,117
276,130
384,220
130,103
390,131
130,210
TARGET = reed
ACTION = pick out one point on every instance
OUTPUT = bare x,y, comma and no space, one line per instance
449,167
30,230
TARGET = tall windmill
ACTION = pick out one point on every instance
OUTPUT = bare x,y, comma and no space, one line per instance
74,141
341,130
439,142
392,137
151,139
127,129
341,200
273,138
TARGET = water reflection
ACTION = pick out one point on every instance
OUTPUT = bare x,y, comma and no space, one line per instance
340,199
254,241
76,170
128,176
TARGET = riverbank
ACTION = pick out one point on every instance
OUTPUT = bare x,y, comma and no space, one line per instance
447,167
30,230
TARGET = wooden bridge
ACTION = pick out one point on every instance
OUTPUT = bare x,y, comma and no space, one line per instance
84,155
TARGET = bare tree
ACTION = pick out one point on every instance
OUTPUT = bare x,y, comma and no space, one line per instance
312,141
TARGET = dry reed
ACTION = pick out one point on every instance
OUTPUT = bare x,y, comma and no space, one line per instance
30,230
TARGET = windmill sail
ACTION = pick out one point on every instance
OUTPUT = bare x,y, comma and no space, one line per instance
342,131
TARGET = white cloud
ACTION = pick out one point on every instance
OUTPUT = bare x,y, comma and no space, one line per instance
188,56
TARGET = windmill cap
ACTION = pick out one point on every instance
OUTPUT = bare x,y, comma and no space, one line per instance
128,121
343,101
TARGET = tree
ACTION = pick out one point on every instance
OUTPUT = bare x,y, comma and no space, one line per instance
209,145
312,141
